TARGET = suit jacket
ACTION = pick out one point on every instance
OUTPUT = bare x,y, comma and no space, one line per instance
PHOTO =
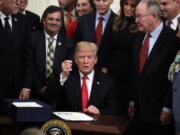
176,95
86,32
62,52
152,88
34,20
102,94
14,54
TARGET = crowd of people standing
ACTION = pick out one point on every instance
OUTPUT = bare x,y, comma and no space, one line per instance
81,56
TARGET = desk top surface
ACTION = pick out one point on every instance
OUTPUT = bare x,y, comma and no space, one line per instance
103,124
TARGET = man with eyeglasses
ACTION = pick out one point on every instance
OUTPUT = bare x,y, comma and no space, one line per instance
15,53
154,50
85,89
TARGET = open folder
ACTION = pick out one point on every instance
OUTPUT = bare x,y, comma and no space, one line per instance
74,116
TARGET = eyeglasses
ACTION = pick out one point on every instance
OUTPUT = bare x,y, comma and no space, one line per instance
141,16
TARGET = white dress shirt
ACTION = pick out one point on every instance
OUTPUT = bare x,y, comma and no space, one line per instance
174,22
54,42
89,81
2,17
104,21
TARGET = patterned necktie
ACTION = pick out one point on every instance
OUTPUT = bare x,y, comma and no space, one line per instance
99,29
50,57
68,18
84,93
144,52
7,27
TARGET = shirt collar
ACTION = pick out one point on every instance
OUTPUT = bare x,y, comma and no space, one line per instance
105,16
73,12
48,36
90,75
157,30
174,22
24,12
2,16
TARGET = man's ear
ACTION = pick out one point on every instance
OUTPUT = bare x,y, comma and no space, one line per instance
75,60
96,59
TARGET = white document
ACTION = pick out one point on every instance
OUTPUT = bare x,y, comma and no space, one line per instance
26,104
74,116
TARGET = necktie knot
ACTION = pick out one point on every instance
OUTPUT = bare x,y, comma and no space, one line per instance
68,18
85,77
100,19
50,40
6,18
68,14
169,23
148,35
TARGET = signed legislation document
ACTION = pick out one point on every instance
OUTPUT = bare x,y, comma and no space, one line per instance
74,116
26,104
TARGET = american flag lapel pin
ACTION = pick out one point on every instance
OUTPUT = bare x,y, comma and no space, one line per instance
59,43
15,19
98,83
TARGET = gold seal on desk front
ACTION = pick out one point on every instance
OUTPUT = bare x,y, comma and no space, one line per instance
55,127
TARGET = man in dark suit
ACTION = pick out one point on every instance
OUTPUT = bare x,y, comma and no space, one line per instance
87,30
154,51
171,12
174,76
14,51
68,7
47,63
33,19
98,95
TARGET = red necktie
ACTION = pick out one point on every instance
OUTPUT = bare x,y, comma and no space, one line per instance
68,18
169,24
144,52
84,93
99,30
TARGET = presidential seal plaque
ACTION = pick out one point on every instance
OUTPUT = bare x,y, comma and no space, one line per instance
55,127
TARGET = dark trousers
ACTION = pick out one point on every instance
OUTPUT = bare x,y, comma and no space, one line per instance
152,128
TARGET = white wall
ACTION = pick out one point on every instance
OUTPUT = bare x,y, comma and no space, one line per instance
38,6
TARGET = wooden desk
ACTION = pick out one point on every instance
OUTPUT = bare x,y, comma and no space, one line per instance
105,125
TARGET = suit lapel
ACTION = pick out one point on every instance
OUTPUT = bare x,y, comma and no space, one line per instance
15,28
95,90
59,44
92,20
155,49
107,29
1,26
41,50
74,89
